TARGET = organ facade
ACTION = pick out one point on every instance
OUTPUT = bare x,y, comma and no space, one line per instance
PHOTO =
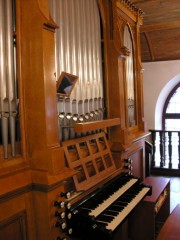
42,132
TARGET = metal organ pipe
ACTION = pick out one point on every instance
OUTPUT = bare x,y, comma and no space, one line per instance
3,85
78,51
7,79
10,73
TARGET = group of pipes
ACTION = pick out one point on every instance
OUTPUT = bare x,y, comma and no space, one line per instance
71,112
87,106
8,98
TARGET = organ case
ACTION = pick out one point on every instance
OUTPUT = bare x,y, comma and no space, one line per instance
39,174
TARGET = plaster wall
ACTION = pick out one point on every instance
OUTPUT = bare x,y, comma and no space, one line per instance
159,79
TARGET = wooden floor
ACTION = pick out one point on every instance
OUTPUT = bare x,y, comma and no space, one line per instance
175,192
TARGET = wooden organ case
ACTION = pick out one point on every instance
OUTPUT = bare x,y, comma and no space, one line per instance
34,184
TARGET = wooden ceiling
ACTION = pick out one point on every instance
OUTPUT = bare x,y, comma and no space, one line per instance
160,32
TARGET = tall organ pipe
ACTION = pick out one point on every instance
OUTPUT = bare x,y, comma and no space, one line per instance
7,76
3,86
78,51
10,73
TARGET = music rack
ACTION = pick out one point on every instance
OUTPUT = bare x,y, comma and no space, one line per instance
91,157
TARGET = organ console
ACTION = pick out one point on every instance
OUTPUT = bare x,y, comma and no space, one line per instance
59,204
98,211
98,215
66,195
60,215
71,165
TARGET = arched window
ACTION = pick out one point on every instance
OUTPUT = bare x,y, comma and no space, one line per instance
171,111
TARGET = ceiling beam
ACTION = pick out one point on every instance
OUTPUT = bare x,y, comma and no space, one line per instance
160,26
150,46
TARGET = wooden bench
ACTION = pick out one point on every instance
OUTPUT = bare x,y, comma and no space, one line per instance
171,228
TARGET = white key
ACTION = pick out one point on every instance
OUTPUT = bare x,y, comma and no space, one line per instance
121,216
95,212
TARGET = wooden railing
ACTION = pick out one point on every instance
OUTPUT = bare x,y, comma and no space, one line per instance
166,150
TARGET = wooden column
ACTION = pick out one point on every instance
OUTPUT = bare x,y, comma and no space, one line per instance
36,70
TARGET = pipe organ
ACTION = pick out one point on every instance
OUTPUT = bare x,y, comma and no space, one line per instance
73,112
78,51
9,101
61,153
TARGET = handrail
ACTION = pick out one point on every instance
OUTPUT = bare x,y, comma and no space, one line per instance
153,130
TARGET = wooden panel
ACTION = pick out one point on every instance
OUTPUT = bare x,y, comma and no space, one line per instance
162,21
136,153
158,183
45,213
14,227
156,11
162,38
137,163
16,210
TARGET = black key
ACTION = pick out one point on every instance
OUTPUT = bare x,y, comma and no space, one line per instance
104,218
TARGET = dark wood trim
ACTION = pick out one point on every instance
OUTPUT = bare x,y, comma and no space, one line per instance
15,193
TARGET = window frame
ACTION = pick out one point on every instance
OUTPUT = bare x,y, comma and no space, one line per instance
169,115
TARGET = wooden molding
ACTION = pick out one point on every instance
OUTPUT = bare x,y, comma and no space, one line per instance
89,126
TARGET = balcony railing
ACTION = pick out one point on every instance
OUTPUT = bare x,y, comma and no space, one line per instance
166,150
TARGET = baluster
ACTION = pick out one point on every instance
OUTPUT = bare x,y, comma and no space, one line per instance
179,150
170,148
162,148
153,134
